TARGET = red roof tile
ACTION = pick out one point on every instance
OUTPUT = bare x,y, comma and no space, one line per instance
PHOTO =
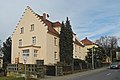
87,42
56,24
50,25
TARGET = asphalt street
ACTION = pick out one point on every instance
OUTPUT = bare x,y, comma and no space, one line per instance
98,74
108,74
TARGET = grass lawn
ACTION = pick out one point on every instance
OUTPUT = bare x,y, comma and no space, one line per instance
10,78
14,78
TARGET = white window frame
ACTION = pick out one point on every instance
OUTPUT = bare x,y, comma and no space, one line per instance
34,40
26,53
20,42
32,27
35,53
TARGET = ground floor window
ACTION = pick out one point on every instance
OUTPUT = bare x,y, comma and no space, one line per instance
26,53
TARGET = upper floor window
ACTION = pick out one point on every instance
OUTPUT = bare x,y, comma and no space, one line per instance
75,48
34,40
79,50
20,42
32,27
55,55
35,53
22,30
55,41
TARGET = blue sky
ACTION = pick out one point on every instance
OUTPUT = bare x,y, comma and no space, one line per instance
89,18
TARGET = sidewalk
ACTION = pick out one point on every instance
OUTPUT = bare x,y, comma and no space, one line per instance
70,76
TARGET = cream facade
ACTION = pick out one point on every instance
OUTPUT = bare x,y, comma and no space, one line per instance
87,45
1,59
37,39
78,50
34,39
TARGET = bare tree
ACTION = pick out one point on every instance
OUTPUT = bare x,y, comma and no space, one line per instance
109,44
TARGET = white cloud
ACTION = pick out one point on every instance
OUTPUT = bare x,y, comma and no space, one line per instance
88,17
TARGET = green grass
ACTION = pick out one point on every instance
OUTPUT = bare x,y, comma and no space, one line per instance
14,78
10,78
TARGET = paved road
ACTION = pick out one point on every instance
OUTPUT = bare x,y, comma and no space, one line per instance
98,74
108,74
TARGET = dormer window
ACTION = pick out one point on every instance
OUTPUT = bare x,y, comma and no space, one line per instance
32,27
22,30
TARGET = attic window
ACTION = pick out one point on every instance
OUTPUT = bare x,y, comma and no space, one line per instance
32,27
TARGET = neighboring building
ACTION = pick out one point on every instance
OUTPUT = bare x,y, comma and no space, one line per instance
35,39
88,44
1,59
78,51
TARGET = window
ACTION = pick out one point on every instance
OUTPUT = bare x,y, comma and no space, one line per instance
79,50
20,42
22,30
26,53
35,53
55,41
55,55
75,48
32,27
34,40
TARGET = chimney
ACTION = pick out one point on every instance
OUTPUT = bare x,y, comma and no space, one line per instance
85,37
45,16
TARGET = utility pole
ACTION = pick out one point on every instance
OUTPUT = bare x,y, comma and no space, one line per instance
25,60
92,57
25,69
111,55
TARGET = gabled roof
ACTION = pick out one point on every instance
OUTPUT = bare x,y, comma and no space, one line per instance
50,25
78,43
87,42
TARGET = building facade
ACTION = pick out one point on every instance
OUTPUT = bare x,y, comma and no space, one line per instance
1,59
88,44
78,51
36,40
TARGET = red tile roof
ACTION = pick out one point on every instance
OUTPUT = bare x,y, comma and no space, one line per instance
56,24
50,25
87,42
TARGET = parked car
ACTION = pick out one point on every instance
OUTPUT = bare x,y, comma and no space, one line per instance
115,65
